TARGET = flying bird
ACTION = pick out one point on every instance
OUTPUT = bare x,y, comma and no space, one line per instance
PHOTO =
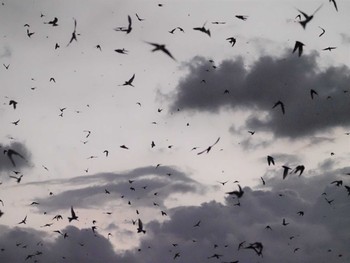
263,181
347,189
124,147
313,93
29,34
10,153
285,171
106,152
52,22
161,47
73,215
197,224
281,104
179,28
203,29
129,82
6,66
242,17
74,35
307,17
207,150
329,48
18,179
238,193
138,18
126,29
24,221
300,169
335,4
257,247
337,182
270,160
284,223
121,51
140,227
298,46
323,31
231,40
13,103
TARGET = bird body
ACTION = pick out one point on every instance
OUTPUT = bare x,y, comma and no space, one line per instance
73,215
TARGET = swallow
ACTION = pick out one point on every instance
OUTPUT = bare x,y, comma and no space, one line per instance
262,180
335,4
285,171
270,160
161,47
57,217
140,227
13,103
106,152
138,18
242,17
24,221
257,247
16,122
207,150
52,80
323,31
18,179
57,46
29,34
268,227
329,48
98,47
300,169
129,82
298,46
301,213
163,213
231,40
124,147
73,215
176,28
107,192
281,104
126,29
203,29
74,35
223,183
284,223
313,93
10,153
337,182
6,66
52,22
121,51
197,224
251,132
308,18
238,193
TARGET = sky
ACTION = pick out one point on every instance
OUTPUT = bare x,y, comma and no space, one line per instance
99,118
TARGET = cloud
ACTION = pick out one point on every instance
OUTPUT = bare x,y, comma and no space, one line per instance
5,162
270,79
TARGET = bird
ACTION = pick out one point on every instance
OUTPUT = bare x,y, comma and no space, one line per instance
197,224
24,221
242,17
281,104
176,255
140,19
251,132
10,153
52,80
57,46
329,48
15,122
179,28
284,222
238,193
29,34
124,147
106,152
257,247
129,82
215,256
203,29
329,201
323,31
88,132
98,47
301,213
6,66
300,169
298,46
73,215
337,182
161,47
121,51
270,160
307,17
126,29
57,217
263,181
231,40
347,189
13,103
313,93
223,183
140,227
74,35
207,150
107,192
52,22
285,171
335,4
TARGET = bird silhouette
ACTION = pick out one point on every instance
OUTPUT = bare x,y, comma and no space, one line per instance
6,66
203,29
298,46
57,217
126,29
74,34
121,51
10,153
337,182
106,152
129,82
242,17
313,93
308,18
323,31
231,40
329,48
238,193
29,34
161,47
24,221
138,18
300,169
18,179
52,22
197,224
140,227
207,150
335,4
124,147
301,213
347,189
98,47
217,256
15,122
13,103
262,180
285,171
270,160
281,104
73,215
257,247
284,223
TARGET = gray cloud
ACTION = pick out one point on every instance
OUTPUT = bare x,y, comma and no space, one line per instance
5,162
270,79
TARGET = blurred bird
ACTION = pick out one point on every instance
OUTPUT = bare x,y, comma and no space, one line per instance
285,171
126,29
74,35
270,160
18,179
335,4
73,215
323,31
312,93
337,182
129,82
161,47
308,18
24,221
52,22
13,103
300,169
242,17
231,40
138,18
121,51
10,153
238,193
281,104
140,227
329,48
203,29
298,46
207,150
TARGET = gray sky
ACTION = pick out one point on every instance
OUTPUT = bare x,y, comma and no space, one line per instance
73,135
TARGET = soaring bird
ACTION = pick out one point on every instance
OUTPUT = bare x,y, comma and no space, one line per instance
139,18
323,31
298,46
57,217
329,48
13,103
129,82
257,247
203,29
300,169
74,33
161,47
24,221
335,4
231,40
73,215
10,153
140,227
281,104
124,147
238,193
285,171
18,179
52,22
121,51
313,93
337,182
126,29
270,160
242,17
307,17
209,147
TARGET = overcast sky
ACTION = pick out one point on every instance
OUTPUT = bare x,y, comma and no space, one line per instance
95,115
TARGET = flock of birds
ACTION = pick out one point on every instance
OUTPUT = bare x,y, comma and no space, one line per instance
257,247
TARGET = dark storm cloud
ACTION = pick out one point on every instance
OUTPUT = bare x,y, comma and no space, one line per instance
89,191
5,162
270,79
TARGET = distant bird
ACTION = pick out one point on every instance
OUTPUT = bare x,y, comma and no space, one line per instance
337,182
52,80
217,256
18,179
15,122
207,150
138,18
29,34
10,153
57,46
347,189
124,147
129,82
329,48
257,247
140,227
34,203
329,201
242,17
240,245
335,4
106,152
268,227
231,40
284,222
88,132
301,213
52,22
98,47
251,132
73,215
197,224
262,180
1,213
270,160
203,29
285,171
107,192
308,18
176,255
13,103
313,93
163,213
223,183
57,217
161,47
126,29
176,28
6,66
323,31
121,51
298,46
281,104
74,34
24,221
238,193
300,169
